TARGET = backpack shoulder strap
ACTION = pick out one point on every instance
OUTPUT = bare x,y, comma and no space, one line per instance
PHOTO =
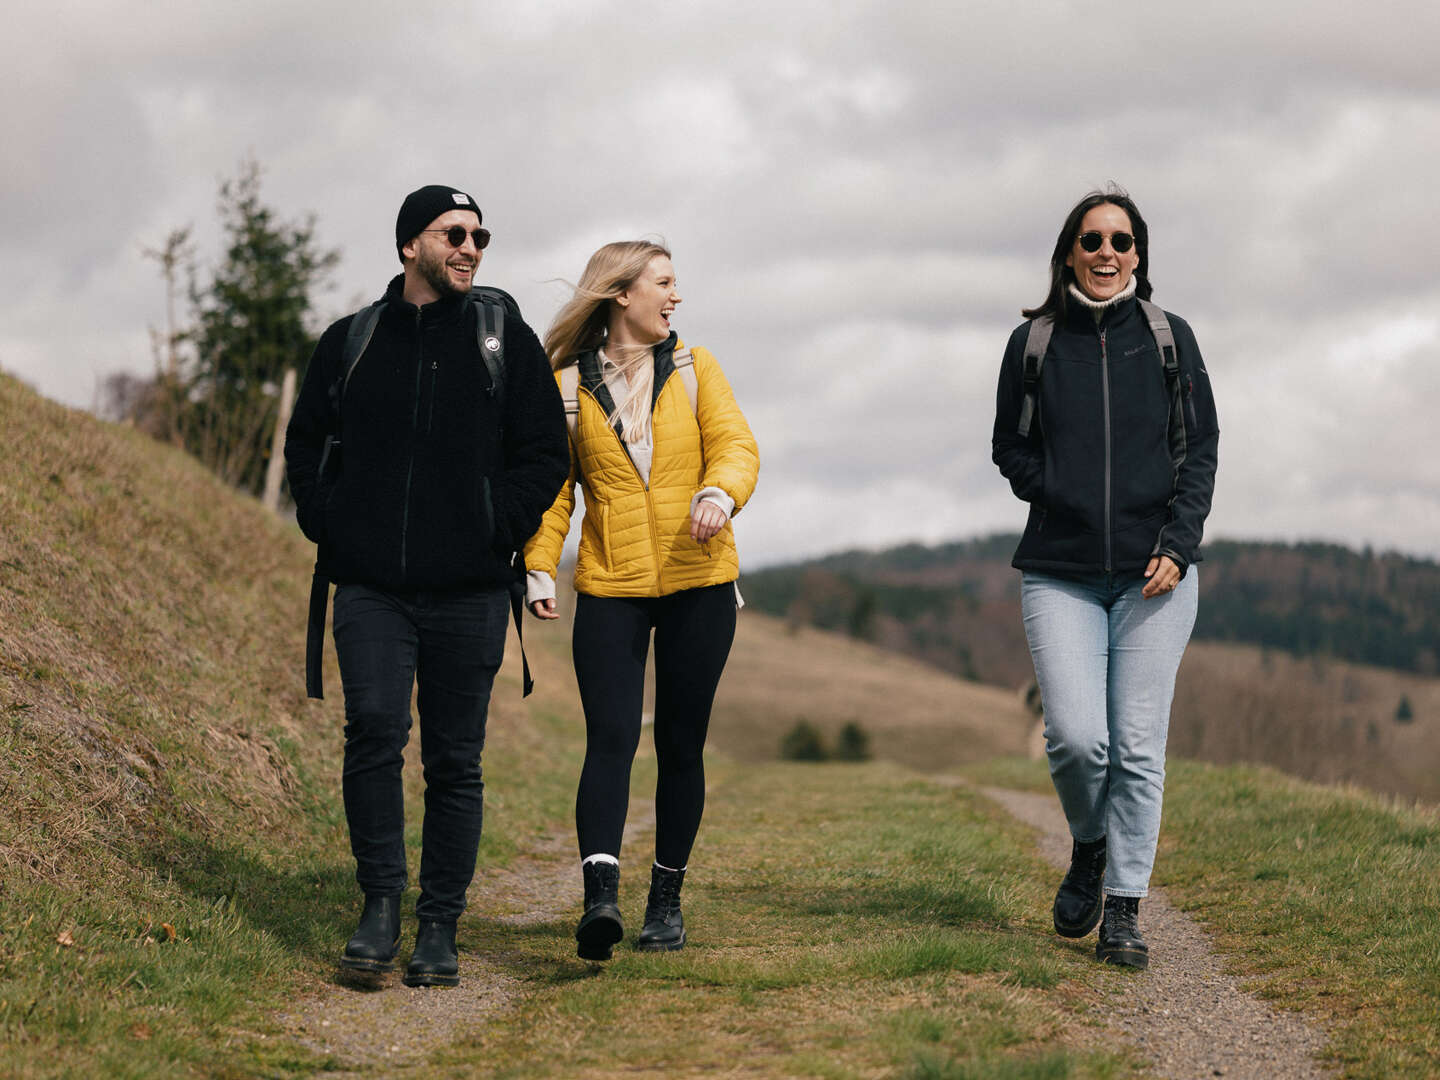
1165,341
357,340
490,337
1164,337
570,395
1037,341
685,367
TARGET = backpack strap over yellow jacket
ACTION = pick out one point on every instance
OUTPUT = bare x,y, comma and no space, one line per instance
684,362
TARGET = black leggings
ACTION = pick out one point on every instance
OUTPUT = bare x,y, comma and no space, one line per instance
693,632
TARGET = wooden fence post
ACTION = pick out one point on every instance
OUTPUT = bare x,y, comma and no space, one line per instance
277,445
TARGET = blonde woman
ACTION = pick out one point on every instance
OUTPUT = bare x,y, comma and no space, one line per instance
666,459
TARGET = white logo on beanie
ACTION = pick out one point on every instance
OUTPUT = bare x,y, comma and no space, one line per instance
461,198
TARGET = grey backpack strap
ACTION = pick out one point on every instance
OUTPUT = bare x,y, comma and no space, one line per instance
1037,340
1165,341
685,368
490,336
570,395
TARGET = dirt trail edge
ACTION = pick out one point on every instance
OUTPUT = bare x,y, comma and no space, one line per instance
1185,1014
389,1024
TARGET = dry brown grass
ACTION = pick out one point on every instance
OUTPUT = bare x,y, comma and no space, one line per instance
917,716
151,630
1324,720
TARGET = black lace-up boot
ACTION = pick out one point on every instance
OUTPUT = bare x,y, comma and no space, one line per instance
664,928
1120,940
1078,900
435,961
372,948
600,927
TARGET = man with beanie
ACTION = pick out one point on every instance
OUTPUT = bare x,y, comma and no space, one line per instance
420,479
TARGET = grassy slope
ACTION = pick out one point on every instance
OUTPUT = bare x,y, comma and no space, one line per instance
1328,897
169,843
160,767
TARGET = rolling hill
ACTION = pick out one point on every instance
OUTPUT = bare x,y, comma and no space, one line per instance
1288,665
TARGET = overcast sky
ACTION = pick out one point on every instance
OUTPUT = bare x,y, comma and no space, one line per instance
860,198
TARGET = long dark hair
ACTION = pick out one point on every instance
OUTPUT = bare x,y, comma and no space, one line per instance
1061,276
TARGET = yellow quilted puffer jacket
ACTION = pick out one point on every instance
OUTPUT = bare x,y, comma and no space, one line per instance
634,540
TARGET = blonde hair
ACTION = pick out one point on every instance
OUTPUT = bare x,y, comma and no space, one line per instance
581,325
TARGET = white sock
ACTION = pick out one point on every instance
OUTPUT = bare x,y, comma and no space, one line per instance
611,859
672,871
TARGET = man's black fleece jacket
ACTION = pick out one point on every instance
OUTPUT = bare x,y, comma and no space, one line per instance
1096,469
434,486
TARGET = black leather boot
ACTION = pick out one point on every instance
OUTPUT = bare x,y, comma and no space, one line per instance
600,927
435,961
1078,900
664,928
372,948
1120,940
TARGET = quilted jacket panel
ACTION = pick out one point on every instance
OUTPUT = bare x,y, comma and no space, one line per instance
634,540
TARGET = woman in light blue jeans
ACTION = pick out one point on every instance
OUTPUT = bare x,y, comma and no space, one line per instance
1105,424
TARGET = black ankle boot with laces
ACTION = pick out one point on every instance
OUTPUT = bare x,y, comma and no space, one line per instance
600,927
1077,902
664,927
1120,940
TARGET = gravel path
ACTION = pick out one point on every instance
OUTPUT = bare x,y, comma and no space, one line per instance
378,1023
1184,1013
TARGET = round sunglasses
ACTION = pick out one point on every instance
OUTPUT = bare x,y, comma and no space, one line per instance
1091,241
456,234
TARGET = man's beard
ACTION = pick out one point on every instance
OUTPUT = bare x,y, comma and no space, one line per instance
433,269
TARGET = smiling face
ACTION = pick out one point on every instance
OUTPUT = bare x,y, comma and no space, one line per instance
1103,273
641,315
433,268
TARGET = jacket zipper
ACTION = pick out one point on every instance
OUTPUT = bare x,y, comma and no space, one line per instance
655,543
414,434
430,413
1105,396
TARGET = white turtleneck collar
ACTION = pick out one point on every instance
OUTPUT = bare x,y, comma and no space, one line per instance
1099,307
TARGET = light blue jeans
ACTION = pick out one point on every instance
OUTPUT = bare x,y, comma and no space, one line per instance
1105,660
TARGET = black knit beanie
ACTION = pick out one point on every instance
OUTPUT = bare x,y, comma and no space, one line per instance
422,207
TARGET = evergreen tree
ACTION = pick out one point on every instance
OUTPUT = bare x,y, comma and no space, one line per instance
1404,714
853,744
251,321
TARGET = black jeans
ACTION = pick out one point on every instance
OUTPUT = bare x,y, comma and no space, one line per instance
452,644
693,633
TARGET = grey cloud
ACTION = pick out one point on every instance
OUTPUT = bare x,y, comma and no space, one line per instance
860,200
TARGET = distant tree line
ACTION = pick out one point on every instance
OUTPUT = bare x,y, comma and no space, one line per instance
956,605
229,336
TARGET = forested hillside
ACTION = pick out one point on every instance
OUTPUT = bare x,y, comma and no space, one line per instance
956,605
1315,659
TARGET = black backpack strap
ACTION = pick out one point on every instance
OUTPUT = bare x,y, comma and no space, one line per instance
1165,341
357,339
490,305
315,634
517,605
490,337
1037,341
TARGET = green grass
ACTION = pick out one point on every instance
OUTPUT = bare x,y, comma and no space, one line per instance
1328,898
843,921
174,867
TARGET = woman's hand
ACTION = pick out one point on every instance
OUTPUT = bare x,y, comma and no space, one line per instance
1164,575
544,609
707,520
